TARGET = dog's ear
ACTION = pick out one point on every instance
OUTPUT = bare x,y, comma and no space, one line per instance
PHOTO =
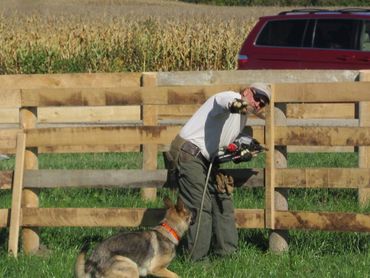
180,204
168,202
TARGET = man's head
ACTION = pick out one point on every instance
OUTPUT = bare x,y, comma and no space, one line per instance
258,95
261,91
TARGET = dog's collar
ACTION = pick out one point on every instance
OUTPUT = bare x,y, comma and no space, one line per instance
175,238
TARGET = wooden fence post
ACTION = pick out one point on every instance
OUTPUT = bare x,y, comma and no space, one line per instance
30,199
364,152
278,239
15,217
150,151
270,165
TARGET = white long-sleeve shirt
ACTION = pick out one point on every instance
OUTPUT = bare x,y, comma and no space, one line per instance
213,126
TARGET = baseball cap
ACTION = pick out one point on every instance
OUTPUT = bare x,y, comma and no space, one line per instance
262,89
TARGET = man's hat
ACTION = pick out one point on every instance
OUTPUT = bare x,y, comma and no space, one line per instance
262,89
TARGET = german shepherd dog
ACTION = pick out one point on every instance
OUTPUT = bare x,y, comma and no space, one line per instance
134,254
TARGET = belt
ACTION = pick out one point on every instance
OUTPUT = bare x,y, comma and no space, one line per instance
194,150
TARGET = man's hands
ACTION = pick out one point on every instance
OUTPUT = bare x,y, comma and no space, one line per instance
239,106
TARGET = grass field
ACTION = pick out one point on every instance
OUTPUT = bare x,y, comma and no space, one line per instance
311,254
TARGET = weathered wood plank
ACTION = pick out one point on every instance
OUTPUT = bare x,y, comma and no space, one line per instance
245,218
183,78
113,217
10,98
91,217
99,95
9,115
94,178
176,111
107,135
294,111
90,96
103,94
69,80
96,139
319,149
8,138
330,221
89,149
176,118
323,92
250,218
323,178
115,178
118,217
324,112
284,178
325,136
101,135
320,110
15,216
83,149
100,114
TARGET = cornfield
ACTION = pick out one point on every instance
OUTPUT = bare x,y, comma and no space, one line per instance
35,44
51,36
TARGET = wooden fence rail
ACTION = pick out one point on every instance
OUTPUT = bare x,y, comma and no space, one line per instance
150,113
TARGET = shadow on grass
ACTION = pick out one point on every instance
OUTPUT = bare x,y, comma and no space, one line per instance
256,238
4,239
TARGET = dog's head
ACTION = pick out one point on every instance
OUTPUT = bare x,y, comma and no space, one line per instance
177,215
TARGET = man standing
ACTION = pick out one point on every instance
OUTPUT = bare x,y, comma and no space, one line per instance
214,125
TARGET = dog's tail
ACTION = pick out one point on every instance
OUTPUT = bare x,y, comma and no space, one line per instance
81,261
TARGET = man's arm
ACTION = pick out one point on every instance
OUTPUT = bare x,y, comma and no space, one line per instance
230,102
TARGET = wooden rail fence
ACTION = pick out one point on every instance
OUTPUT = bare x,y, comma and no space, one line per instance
161,110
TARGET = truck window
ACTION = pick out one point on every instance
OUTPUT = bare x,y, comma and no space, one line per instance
282,33
336,34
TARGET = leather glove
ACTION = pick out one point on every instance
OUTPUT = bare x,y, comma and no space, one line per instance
239,106
224,184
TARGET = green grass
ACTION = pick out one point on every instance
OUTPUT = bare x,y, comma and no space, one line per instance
311,253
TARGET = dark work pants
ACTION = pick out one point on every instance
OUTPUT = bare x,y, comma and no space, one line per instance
217,226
